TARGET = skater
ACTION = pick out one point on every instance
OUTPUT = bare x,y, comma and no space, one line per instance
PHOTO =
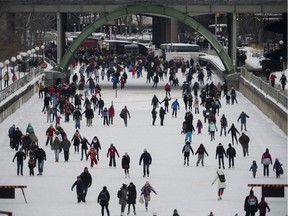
40,155
201,151
155,102
56,146
199,126
221,182
124,114
283,81
112,152
145,192
220,152
154,115
262,206
224,124
211,129
126,164
87,181
251,204
266,160
231,153
31,165
254,168
186,151
79,189
234,132
175,213
103,200
76,139
96,144
20,155
147,160
84,147
162,114
277,167
122,195
50,134
243,116
92,153
175,106
131,198
244,141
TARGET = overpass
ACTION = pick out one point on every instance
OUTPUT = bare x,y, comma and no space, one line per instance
177,10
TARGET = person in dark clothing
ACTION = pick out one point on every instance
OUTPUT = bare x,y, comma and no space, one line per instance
87,181
79,189
166,103
220,152
131,198
124,114
147,160
251,204
155,102
154,115
162,114
243,116
234,132
277,167
96,144
17,138
231,153
103,200
186,151
155,81
126,164
40,155
84,147
20,155
201,151
65,144
244,141
262,206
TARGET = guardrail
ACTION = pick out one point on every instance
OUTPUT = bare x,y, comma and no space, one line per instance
274,93
6,92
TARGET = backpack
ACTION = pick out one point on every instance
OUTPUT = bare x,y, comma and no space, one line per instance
103,196
222,178
187,148
119,194
252,201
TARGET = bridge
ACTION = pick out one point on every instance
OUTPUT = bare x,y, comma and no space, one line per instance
177,11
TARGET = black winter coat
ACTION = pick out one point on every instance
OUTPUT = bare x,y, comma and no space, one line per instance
132,194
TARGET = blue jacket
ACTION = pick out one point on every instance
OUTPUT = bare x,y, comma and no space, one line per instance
243,117
175,105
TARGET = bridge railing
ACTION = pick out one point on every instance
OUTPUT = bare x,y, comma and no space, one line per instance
277,94
6,92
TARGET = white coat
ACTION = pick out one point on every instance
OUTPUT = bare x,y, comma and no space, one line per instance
220,184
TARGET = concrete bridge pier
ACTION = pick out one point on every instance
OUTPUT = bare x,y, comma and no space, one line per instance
61,29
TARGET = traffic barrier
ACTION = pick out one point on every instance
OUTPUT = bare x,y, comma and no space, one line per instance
8,192
271,190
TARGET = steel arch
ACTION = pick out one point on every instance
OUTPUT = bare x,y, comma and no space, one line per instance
153,9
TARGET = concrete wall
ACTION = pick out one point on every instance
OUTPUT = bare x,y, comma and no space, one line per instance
268,107
16,102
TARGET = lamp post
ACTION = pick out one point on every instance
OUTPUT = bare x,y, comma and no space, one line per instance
19,59
42,48
126,32
1,77
28,58
32,53
7,62
37,57
13,60
281,42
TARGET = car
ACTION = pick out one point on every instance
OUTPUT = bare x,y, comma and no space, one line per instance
147,31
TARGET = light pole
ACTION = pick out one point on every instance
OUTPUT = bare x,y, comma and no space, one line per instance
32,53
37,57
126,32
7,62
13,60
1,77
19,59
28,58
42,48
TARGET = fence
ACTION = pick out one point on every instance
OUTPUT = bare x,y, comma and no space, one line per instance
6,92
278,95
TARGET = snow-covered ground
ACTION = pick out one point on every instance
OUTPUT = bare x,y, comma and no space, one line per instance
186,188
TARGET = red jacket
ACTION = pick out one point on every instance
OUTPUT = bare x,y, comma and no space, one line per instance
112,151
111,111
50,131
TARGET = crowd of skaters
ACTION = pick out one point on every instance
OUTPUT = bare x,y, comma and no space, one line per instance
65,99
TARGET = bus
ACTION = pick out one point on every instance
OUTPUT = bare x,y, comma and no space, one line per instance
180,51
118,47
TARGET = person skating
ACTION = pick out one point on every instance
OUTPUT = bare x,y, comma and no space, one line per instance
147,160
251,204
145,192
175,106
244,141
201,151
31,165
262,206
92,153
103,199
277,167
79,189
112,152
154,115
162,114
126,164
186,151
87,181
131,198
40,156
231,153
254,168
220,176
224,124
125,114
220,152
123,198
243,119
266,160
84,147
234,132
21,156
